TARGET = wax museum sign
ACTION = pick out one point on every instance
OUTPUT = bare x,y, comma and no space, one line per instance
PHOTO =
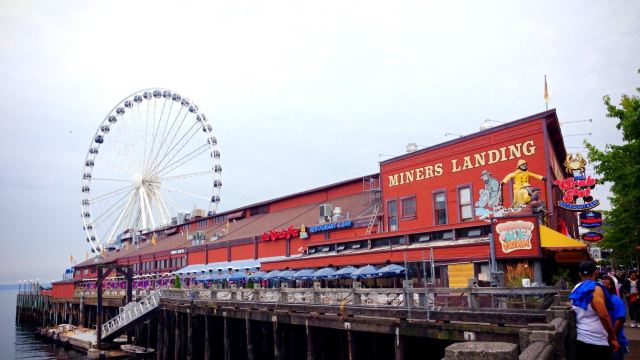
517,237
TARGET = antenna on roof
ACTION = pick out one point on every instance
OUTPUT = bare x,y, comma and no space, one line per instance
576,121
452,134
486,124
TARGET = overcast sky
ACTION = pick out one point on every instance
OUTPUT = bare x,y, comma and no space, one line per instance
301,94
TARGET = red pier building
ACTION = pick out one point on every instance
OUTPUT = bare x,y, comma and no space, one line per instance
439,206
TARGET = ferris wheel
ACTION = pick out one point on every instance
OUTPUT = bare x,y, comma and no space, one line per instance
153,157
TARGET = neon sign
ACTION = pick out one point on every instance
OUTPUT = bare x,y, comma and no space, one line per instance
591,219
574,188
289,233
592,236
331,226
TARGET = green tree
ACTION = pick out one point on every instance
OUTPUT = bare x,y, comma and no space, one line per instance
620,166
176,282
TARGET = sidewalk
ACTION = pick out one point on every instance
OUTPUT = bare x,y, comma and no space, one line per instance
633,335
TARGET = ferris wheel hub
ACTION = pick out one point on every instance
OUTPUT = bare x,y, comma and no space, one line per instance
136,180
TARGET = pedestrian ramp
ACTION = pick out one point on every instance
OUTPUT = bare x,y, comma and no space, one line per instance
130,315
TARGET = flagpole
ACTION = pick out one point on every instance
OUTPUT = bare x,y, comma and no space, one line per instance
546,93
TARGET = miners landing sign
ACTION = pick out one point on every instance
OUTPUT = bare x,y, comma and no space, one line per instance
517,238
574,188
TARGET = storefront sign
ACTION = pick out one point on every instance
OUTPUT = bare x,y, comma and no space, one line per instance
591,219
178,251
330,226
574,188
515,235
289,233
513,151
592,236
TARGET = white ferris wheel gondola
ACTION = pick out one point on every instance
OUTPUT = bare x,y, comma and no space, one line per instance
146,161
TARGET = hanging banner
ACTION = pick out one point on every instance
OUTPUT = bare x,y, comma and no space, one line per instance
592,236
591,219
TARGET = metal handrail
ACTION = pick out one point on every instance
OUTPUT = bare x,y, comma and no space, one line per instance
131,312
435,298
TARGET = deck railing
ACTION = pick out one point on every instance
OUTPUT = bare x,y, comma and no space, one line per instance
531,298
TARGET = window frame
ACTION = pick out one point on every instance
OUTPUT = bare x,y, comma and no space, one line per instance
473,214
415,208
388,215
433,203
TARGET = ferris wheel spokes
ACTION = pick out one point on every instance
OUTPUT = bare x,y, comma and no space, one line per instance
184,176
116,224
178,163
159,163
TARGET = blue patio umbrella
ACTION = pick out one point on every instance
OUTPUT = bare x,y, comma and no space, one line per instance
343,273
391,270
237,276
286,275
273,274
324,273
305,274
368,271
257,276
219,277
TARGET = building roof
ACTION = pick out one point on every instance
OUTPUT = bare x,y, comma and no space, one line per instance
354,206
545,114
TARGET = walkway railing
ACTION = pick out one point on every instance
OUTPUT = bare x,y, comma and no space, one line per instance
532,298
131,312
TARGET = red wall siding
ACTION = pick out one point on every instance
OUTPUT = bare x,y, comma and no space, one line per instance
242,252
196,257
449,180
271,248
64,290
217,255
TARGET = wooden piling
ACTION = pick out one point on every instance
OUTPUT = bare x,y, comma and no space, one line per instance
178,339
207,338
189,335
350,344
225,330
399,346
247,325
310,353
276,339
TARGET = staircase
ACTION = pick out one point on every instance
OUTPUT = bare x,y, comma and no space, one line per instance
129,315
372,221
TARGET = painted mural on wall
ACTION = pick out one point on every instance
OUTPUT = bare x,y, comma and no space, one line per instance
490,202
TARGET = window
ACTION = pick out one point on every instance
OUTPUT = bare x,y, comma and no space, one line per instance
392,215
259,210
219,219
464,202
203,222
440,208
408,207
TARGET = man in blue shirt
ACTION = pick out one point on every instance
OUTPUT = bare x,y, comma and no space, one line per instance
618,314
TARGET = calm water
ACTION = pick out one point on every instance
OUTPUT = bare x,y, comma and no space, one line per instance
18,342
